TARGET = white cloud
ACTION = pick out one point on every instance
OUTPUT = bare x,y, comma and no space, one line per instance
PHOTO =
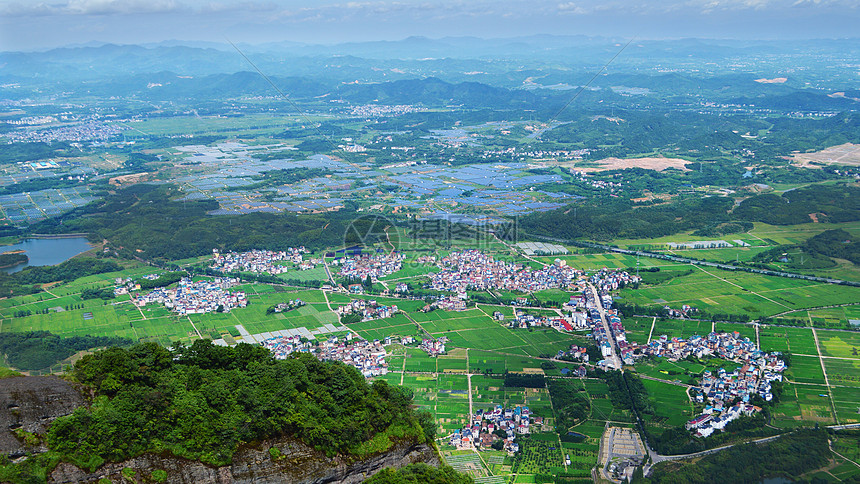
108,7
87,7
571,8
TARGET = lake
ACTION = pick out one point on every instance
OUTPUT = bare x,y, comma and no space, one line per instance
47,252
776,480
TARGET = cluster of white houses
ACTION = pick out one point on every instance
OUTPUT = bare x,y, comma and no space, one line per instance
375,266
287,306
759,369
721,389
485,426
196,297
729,346
368,309
434,347
472,269
712,420
368,357
447,303
283,346
260,261
606,280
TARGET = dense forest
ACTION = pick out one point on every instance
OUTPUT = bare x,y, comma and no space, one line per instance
37,350
11,259
144,221
201,401
618,218
27,280
833,203
789,456
420,474
570,403
835,243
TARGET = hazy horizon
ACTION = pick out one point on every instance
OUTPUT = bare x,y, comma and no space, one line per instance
37,26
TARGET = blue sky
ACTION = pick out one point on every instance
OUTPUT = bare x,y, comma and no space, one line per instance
36,24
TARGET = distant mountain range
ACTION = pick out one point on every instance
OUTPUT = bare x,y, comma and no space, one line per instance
498,73
95,60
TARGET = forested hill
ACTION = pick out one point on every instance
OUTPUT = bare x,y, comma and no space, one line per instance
714,216
146,221
203,401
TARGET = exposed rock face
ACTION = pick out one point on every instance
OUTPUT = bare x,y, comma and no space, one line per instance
31,403
298,464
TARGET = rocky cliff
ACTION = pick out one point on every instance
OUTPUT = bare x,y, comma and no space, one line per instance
295,463
32,403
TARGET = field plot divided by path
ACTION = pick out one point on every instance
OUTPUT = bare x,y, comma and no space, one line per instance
717,291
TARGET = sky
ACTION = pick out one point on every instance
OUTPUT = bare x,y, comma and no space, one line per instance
35,24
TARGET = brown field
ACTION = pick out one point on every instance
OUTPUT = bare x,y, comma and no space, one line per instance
650,163
847,154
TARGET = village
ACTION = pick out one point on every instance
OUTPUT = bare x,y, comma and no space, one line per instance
196,297
365,356
718,390
261,261
368,310
362,266
472,269
285,306
726,396
496,428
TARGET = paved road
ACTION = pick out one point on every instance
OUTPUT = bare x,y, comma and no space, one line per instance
328,272
656,458
616,361
845,426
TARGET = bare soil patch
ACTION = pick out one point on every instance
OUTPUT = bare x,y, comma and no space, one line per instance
775,80
650,163
847,154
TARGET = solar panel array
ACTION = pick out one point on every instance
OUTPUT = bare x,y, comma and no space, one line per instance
30,207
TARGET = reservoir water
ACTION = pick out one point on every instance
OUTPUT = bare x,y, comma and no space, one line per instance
47,252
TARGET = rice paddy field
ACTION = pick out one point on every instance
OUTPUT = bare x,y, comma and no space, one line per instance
717,291
475,329
839,344
843,372
674,370
671,405
69,315
638,328
397,325
679,328
805,369
593,262
847,403
803,405
793,340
